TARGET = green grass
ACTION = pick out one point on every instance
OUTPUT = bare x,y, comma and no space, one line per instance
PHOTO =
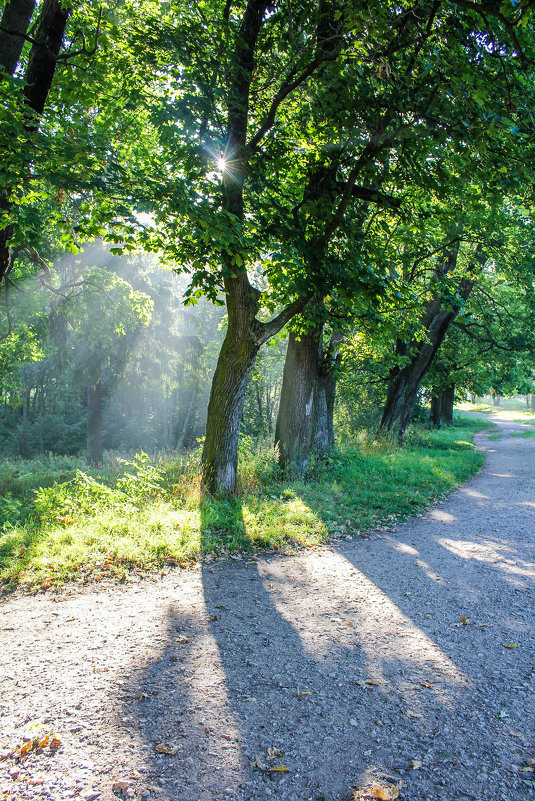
510,409
525,434
494,436
59,521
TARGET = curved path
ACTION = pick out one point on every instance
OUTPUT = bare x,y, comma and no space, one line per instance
376,660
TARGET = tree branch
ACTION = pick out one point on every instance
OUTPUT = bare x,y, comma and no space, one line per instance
268,330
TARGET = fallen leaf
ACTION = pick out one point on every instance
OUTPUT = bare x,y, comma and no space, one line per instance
26,748
120,785
55,742
163,748
273,753
385,792
257,763
304,692
280,769
44,742
511,645
464,620
426,684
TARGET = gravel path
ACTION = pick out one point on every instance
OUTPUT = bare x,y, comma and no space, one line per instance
376,660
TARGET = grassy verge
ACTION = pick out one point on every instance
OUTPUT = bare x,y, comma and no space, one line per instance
59,522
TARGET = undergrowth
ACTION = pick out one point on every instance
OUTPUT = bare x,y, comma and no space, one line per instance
60,520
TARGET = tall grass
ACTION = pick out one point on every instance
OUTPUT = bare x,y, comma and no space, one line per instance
61,521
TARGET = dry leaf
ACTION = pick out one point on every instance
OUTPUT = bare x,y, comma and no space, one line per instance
257,763
385,792
163,748
273,753
42,743
120,785
304,692
26,748
426,684
280,769
464,620
511,645
55,742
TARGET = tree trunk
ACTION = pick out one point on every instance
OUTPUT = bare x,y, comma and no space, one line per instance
182,438
293,431
41,417
405,381
330,397
533,403
437,400
16,18
94,415
24,433
448,398
319,441
225,407
39,75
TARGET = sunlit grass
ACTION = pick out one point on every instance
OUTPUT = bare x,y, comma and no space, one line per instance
524,434
511,409
141,516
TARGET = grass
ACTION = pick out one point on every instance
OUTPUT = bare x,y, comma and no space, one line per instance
525,434
511,409
59,521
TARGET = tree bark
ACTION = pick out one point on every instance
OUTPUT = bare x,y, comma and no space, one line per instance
436,407
404,382
38,77
533,403
448,398
294,428
94,415
15,20
44,54
227,396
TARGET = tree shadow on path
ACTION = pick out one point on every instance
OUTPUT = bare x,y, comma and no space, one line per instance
298,664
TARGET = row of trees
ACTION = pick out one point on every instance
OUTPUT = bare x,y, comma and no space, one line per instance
351,172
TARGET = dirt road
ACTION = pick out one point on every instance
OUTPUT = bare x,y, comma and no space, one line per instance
407,656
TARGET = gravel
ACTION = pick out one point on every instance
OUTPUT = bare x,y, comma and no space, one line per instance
388,659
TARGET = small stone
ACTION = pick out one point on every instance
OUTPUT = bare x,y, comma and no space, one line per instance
90,795
353,722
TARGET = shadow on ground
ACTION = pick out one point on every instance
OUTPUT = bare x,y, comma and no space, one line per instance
384,658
